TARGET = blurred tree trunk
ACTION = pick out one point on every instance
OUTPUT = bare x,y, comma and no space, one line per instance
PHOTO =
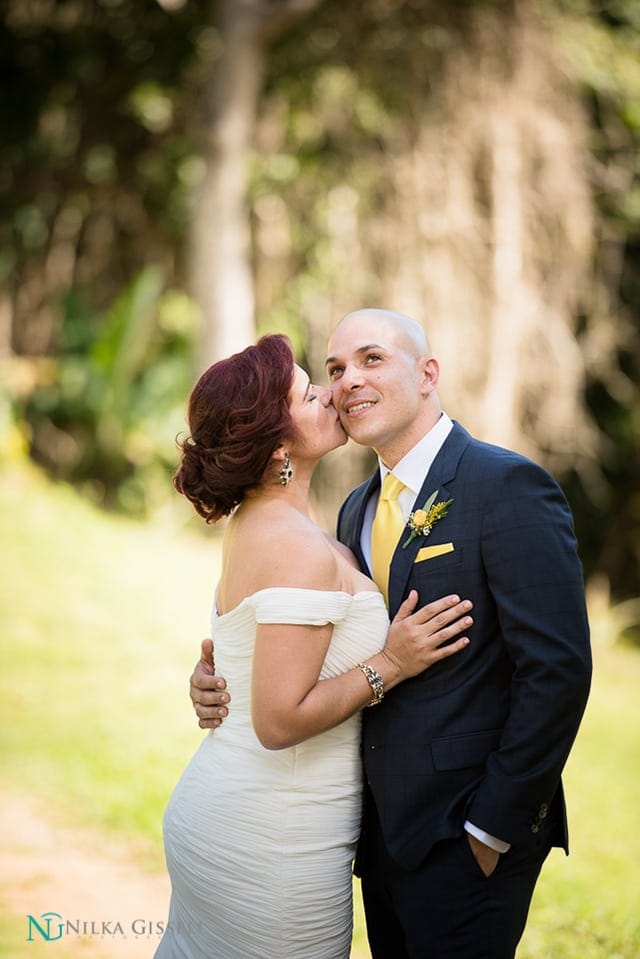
454,187
222,277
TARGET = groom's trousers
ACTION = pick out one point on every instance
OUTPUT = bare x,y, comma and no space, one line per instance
446,908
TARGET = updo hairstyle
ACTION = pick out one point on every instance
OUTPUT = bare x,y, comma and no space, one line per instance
238,416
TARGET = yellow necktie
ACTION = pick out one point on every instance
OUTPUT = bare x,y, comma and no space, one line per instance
387,527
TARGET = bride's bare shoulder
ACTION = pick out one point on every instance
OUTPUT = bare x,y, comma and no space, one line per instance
343,550
282,549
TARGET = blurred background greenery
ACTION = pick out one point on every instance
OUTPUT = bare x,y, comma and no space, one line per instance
179,176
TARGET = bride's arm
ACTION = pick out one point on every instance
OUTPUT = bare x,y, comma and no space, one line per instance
289,701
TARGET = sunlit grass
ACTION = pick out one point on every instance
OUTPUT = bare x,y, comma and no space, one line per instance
100,621
586,905
12,935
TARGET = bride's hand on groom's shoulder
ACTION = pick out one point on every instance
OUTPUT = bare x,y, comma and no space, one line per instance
208,691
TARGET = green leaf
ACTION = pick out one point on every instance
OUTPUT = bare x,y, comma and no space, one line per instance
427,506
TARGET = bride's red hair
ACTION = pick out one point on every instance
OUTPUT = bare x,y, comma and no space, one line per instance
238,416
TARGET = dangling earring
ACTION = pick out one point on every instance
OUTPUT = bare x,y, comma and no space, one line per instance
286,472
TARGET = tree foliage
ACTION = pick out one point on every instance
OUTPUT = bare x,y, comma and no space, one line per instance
456,162
473,164
602,46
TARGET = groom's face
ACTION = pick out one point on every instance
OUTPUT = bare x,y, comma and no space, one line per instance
378,384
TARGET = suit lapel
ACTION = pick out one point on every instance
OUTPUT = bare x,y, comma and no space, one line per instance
368,490
442,471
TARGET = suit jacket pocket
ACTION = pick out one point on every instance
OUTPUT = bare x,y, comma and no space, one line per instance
438,556
463,751
428,552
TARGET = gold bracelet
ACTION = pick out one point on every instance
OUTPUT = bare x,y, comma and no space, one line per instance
374,679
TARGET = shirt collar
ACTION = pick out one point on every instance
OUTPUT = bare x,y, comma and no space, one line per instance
414,465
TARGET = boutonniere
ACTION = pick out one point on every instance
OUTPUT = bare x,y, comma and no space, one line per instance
422,521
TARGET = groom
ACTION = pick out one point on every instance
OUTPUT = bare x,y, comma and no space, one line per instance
463,798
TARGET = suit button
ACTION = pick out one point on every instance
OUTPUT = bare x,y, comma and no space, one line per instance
372,748
535,827
543,811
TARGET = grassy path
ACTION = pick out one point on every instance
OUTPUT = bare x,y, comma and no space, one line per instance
99,887
80,874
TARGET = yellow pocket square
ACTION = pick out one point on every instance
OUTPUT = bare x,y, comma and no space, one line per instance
428,552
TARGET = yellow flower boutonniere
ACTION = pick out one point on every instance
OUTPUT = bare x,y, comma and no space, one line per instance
422,521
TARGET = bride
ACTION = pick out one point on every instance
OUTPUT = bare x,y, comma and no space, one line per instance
260,831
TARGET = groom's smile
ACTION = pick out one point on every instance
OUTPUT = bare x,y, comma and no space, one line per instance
356,408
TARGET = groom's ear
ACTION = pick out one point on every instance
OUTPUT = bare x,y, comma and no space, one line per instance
430,375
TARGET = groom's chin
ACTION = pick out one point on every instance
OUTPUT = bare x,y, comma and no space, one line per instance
359,440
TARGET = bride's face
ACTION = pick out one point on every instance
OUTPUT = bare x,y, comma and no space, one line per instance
315,418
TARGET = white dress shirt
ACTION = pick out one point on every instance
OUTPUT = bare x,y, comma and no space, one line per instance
411,471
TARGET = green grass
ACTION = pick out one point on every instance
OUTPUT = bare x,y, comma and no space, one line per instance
586,905
100,621
12,935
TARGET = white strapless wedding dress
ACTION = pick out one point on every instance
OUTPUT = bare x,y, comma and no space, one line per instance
260,843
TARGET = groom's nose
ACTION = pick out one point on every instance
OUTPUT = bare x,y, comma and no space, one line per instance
351,378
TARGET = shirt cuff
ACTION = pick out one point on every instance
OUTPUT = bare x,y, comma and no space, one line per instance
496,844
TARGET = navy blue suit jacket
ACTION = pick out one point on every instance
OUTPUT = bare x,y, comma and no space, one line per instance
485,734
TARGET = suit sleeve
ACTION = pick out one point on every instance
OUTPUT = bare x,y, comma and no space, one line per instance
535,577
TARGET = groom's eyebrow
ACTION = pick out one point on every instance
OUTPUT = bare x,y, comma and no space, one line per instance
359,352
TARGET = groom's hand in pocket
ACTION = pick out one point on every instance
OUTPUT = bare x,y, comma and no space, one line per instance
208,691
486,857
